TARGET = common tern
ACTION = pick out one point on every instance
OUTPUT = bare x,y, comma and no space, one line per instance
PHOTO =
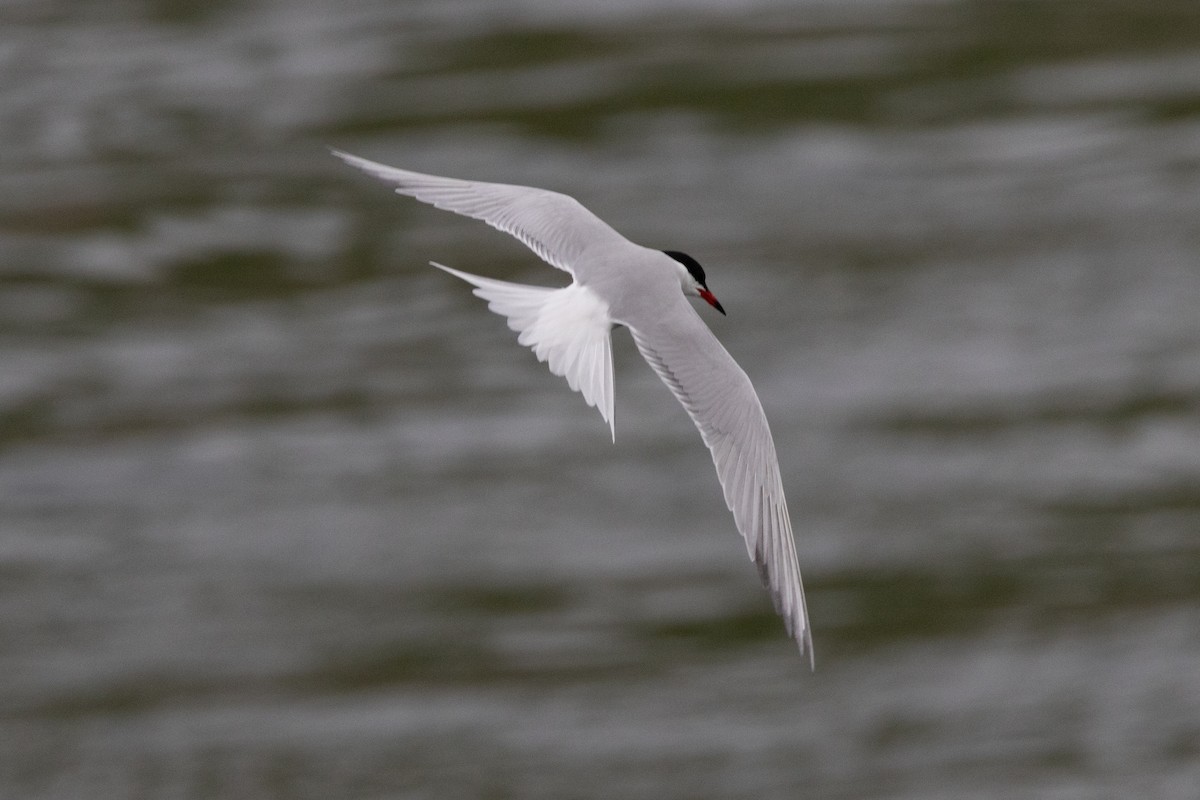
617,282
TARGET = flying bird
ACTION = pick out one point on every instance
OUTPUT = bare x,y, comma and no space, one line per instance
617,282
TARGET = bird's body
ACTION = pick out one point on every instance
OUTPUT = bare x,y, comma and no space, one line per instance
617,282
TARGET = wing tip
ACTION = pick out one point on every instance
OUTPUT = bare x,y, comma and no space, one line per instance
804,641
373,168
795,617
352,160
798,620
801,632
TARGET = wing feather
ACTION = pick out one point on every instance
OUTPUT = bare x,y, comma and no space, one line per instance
555,226
718,396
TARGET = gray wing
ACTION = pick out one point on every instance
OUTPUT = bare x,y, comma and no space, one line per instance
556,227
718,396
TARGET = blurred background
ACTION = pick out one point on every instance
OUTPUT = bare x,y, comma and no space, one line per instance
286,513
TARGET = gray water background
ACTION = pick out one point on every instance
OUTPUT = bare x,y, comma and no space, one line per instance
285,513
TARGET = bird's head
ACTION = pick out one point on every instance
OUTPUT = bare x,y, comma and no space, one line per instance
691,278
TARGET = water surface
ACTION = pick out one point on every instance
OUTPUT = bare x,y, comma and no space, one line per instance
285,513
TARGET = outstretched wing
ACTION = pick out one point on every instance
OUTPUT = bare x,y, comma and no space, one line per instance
556,227
718,396
568,328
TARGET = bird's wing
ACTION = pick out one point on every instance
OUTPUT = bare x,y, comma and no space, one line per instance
718,396
556,227
568,328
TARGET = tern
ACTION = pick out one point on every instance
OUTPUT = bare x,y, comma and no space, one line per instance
616,282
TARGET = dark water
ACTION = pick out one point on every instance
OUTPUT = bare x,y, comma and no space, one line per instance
284,513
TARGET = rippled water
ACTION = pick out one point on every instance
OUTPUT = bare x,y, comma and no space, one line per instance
283,513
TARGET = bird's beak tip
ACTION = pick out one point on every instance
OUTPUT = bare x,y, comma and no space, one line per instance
711,299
